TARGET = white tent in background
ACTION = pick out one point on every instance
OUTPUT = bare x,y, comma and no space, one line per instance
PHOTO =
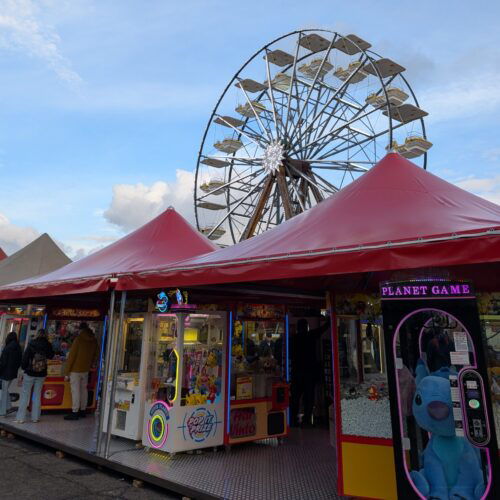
41,256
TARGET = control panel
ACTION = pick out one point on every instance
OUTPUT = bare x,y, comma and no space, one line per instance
474,407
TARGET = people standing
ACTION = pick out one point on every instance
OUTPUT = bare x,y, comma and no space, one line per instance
10,361
82,356
305,370
266,347
34,364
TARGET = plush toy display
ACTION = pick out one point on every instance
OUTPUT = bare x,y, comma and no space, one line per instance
451,466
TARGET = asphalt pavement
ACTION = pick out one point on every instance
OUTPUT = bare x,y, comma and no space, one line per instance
32,471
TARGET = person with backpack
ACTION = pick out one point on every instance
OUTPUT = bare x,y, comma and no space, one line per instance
34,364
10,361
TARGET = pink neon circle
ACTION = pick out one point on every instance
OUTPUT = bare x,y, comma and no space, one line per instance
166,427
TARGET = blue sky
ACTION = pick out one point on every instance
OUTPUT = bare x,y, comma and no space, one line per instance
103,103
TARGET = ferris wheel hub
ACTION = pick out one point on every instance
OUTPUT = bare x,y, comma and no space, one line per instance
274,155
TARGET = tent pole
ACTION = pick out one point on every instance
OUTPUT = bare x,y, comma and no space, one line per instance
111,399
107,364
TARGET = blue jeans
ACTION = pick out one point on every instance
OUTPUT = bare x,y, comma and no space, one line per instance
4,398
30,382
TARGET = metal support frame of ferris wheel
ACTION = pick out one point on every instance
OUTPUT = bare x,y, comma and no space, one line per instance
310,142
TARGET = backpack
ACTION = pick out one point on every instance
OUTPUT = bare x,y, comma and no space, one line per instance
38,363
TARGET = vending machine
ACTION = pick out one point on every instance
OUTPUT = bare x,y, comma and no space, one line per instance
185,391
443,432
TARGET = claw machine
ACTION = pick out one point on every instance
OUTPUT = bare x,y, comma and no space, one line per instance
128,407
444,435
259,373
185,392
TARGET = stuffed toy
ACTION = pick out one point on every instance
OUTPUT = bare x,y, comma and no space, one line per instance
451,466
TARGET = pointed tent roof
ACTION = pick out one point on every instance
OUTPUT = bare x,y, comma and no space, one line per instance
39,257
395,216
3,255
165,239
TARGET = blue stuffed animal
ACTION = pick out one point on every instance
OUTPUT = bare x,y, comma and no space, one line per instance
451,466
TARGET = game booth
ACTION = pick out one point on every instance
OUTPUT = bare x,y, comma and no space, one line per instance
199,350
390,340
192,376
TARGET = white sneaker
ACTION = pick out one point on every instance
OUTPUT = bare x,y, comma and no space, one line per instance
19,421
35,421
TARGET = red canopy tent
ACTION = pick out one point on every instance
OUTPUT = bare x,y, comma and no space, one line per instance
396,216
166,239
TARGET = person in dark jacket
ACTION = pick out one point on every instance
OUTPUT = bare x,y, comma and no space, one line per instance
34,364
305,373
10,361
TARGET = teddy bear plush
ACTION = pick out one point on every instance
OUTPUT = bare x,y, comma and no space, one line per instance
451,466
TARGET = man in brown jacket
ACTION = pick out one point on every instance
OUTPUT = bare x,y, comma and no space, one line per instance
82,356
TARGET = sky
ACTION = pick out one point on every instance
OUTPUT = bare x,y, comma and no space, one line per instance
103,103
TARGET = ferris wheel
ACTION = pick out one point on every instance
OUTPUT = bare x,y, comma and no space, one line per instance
304,116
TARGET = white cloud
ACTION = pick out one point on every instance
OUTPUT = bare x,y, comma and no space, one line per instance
486,187
22,29
13,237
135,204
462,98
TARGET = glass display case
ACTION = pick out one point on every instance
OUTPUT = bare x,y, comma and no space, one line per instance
61,334
257,358
128,405
363,378
259,392
162,370
491,331
186,381
202,363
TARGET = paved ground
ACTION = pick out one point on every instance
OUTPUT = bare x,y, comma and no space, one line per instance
29,471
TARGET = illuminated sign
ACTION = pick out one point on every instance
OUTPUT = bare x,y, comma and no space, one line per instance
70,312
165,300
158,424
425,289
162,304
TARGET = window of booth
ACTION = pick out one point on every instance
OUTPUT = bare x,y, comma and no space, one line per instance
491,329
164,361
203,355
363,378
61,334
257,358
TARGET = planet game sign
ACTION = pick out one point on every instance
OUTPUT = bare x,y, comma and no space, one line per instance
425,289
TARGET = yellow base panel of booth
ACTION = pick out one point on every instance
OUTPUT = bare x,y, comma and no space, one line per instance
368,471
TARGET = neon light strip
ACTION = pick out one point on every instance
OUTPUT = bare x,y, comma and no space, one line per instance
101,356
287,345
176,375
153,443
229,371
45,320
287,367
394,341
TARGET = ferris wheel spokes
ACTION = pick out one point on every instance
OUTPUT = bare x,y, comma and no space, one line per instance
323,115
